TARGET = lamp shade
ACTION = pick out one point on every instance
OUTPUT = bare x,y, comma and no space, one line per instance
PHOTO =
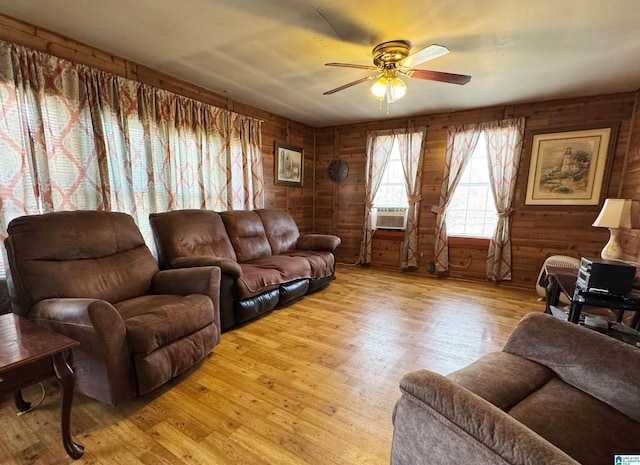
615,213
379,88
389,87
398,88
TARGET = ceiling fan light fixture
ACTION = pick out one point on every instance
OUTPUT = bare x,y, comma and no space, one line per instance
393,57
379,88
397,89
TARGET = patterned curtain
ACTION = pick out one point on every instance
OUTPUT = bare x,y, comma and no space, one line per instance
197,156
411,146
504,144
50,160
379,145
245,145
461,142
73,137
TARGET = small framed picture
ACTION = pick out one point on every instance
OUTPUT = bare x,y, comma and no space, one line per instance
289,166
570,167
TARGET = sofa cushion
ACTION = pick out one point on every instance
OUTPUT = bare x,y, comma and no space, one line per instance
290,268
322,263
247,235
502,379
190,233
282,231
592,362
585,428
269,272
153,321
256,279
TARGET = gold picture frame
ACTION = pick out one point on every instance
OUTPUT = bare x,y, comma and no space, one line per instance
289,166
569,167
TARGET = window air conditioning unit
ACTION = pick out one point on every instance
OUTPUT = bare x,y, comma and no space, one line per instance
391,218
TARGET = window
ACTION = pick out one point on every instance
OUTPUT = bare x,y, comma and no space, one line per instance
392,192
472,211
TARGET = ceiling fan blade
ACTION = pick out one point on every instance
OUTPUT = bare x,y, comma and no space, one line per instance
428,53
349,65
346,86
450,78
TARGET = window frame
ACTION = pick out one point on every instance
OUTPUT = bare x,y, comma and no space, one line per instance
456,238
394,158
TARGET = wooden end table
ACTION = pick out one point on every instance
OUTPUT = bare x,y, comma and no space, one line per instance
29,354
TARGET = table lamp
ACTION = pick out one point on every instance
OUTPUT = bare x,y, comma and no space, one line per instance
615,214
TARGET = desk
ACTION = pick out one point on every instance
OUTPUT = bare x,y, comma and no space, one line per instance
29,354
562,280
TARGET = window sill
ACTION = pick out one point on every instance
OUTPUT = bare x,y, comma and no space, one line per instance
468,241
389,234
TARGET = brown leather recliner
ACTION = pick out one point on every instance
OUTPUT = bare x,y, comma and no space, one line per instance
90,276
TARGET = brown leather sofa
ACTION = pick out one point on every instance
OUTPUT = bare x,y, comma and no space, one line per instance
265,262
89,275
557,393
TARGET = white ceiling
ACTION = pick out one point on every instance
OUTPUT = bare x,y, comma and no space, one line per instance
271,53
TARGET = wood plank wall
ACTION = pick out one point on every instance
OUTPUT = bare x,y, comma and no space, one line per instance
630,188
275,129
537,232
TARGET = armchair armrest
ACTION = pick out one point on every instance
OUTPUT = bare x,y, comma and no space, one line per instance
226,265
184,281
326,242
101,362
605,368
437,421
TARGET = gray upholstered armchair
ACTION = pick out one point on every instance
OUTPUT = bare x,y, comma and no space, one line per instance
90,276
557,393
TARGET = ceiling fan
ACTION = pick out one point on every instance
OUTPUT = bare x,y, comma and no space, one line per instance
392,59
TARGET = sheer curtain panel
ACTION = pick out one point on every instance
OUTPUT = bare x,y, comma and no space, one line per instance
411,148
73,137
504,145
379,146
461,141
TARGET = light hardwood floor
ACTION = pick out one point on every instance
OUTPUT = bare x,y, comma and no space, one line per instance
314,383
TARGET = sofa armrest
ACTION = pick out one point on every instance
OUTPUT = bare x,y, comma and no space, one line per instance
326,242
184,281
102,362
599,365
226,265
436,421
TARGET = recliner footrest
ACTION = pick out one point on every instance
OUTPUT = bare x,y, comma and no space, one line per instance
293,291
253,307
319,283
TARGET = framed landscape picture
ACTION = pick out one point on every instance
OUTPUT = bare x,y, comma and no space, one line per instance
289,166
569,167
